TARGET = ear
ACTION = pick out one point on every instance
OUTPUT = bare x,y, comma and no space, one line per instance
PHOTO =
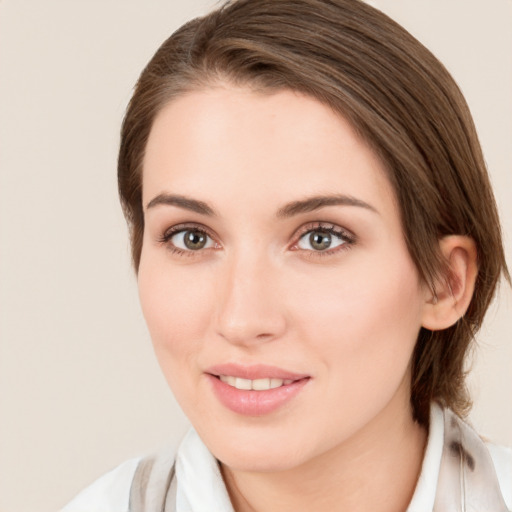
454,289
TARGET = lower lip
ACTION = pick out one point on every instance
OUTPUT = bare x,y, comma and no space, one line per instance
255,403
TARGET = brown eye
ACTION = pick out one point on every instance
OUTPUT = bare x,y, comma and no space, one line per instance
194,240
321,240
191,240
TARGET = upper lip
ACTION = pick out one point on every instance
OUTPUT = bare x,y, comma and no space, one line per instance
254,371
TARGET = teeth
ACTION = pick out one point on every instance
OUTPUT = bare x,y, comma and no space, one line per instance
228,380
276,383
260,384
257,384
243,383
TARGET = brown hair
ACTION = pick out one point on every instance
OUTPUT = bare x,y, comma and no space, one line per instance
398,97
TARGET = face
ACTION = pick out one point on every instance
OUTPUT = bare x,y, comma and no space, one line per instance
275,280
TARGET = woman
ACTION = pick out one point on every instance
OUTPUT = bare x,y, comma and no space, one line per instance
316,243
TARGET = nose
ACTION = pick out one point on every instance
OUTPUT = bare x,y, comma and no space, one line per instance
250,309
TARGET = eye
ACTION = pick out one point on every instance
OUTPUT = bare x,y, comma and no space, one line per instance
323,239
192,239
319,240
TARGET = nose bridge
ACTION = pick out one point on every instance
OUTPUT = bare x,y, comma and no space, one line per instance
249,309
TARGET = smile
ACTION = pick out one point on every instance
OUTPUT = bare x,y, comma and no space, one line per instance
256,384
255,390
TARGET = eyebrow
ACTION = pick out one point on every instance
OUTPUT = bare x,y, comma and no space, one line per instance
182,202
311,204
307,205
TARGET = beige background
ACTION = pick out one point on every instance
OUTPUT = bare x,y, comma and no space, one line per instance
80,390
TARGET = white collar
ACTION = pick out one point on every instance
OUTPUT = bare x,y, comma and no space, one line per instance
425,492
200,483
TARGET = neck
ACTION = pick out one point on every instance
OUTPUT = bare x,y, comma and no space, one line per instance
375,470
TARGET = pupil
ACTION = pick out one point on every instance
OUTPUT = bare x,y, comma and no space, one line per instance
194,240
320,241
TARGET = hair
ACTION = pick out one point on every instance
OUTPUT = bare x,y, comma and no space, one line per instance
397,96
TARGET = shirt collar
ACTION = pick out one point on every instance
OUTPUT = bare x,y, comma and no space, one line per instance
425,492
200,482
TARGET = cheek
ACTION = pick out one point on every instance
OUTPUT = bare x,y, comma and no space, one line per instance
361,328
176,305
366,317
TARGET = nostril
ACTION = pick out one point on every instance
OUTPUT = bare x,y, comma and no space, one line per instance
264,335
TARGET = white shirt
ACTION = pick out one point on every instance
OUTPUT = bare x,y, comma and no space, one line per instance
194,463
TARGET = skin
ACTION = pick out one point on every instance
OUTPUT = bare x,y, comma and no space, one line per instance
258,292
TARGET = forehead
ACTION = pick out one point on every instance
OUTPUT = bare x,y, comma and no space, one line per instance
227,142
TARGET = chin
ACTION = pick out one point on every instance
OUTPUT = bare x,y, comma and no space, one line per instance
261,462
259,450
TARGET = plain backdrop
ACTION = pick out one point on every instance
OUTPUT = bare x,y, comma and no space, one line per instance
80,389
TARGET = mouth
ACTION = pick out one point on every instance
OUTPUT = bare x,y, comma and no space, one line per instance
256,384
255,390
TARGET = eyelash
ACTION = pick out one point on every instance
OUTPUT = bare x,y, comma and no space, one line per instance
348,239
345,236
165,239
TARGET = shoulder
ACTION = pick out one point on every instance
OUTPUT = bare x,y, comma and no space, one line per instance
136,482
487,467
110,493
502,459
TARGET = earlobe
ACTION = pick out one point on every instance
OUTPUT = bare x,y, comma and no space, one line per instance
453,290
